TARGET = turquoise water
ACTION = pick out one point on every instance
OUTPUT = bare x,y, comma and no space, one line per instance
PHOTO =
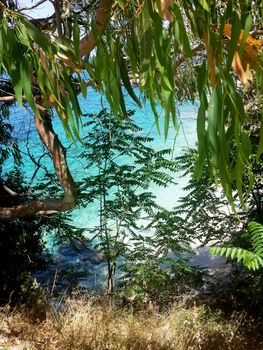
178,140
93,274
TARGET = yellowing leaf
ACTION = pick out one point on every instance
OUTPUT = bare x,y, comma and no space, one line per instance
228,30
165,4
249,39
211,65
241,65
241,69
250,55
68,62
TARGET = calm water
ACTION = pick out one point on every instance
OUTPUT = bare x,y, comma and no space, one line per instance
177,140
92,273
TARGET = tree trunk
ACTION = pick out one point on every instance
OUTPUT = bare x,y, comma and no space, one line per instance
111,276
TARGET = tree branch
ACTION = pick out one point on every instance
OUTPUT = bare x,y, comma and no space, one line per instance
43,23
9,191
57,6
50,140
256,32
10,98
88,43
32,7
7,98
49,205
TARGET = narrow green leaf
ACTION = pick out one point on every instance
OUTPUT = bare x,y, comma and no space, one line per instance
68,119
166,123
37,36
83,87
121,3
41,76
246,147
252,265
256,264
247,28
233,253
125,77
156,115
22,34
73,97
212,113
214,250
76,37
17,85
202,136
228,251
180,31
122,102
223,251
146,43
25,75
132,54
205,5
260,260
1,49
239,254
260,144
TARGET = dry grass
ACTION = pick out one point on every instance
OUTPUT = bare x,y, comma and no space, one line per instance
85,325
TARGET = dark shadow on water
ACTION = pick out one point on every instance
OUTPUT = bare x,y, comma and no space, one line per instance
74,266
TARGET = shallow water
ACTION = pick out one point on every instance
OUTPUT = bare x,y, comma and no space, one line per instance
178,140
91,271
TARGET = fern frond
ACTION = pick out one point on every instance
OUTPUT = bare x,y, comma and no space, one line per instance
256,231
253,260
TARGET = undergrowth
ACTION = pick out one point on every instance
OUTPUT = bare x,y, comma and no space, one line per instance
85,324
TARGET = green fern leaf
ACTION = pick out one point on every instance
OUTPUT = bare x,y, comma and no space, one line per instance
233,253
228,251
253,260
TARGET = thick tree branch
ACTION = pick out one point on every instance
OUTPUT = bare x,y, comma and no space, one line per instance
88,43
47,206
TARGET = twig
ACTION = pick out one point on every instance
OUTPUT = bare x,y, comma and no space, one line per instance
32,7
7,98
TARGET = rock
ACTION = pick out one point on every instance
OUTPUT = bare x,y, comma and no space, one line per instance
93,257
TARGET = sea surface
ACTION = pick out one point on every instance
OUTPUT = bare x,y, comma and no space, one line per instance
179,139
85,264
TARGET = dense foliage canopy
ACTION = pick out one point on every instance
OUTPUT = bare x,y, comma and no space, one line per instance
202,49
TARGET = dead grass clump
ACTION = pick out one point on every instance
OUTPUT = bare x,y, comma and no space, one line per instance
84,325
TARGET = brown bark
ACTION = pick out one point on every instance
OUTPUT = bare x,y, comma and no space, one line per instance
88,43
47,206
57,6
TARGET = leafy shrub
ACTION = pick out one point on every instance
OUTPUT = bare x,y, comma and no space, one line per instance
20,246
158,281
